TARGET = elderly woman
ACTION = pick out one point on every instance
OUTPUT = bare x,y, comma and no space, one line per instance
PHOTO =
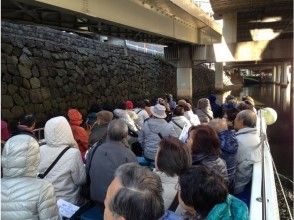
69,172
179,121
229,147
80,134
205,148
154,129
188,113
204,195
23,196
203,110
172,158
99,130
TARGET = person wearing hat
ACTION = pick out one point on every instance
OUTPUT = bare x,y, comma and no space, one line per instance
99,129
154,129
79,133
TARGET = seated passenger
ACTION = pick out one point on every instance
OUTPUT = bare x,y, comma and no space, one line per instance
134,194
142,112
249,101
23,196
125,114
229,147
154,129
107,158
193,119
91,116
68,174
171,102
99,130
203,110
79,133
205,148
172,158
249,150
26,125
5,132
216,108
205,196
230,113
179,121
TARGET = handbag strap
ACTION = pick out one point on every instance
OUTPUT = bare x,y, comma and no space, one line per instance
42,175
177,124
175,203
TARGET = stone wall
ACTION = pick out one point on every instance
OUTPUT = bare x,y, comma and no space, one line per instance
46,71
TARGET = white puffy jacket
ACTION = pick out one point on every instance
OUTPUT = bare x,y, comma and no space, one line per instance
23,196
179,123
69,172
249,152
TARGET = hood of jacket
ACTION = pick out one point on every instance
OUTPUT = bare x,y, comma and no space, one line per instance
75,117
232,208
58,133
20,157
228,141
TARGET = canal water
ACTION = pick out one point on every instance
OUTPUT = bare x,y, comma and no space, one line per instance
280,134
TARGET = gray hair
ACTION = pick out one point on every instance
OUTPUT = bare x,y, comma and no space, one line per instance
117,130
140,196
248,118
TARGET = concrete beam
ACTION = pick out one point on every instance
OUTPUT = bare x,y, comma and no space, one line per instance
135,15
278,49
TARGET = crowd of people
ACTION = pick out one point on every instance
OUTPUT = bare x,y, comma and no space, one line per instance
141,161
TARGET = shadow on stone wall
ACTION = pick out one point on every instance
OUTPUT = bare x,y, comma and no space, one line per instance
46,71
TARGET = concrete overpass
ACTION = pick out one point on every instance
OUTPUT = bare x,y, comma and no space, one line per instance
256,34
163,22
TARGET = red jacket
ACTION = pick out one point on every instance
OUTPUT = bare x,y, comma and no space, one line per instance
79,133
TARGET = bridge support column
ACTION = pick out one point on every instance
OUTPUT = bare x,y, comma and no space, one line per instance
230,27
284,75
184,82
180,56
279,73
219,77
274,75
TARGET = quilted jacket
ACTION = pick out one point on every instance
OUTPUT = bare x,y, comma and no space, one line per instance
23,196
69,172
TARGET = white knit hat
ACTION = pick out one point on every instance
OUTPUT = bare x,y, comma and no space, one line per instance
158,111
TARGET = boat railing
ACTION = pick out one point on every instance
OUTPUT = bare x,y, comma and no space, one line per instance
264,202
